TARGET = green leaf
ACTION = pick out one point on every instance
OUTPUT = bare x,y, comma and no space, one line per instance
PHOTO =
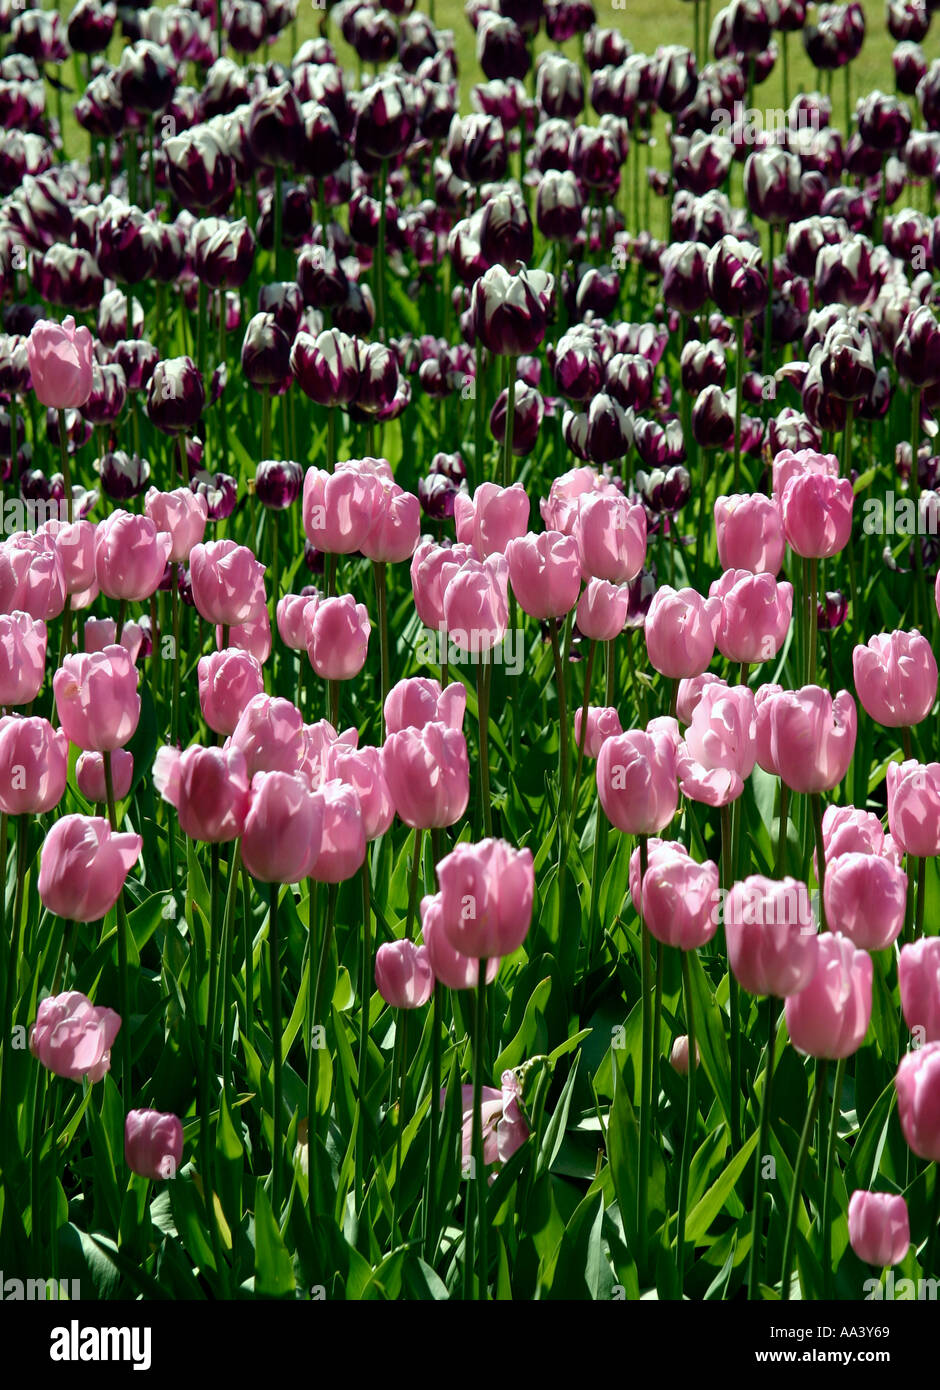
274,1272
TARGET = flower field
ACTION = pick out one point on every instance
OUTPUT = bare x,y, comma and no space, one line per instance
469,797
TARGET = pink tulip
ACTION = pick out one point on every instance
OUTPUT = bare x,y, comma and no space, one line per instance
914,807
919,982
896,678
283,829
338,509
269,735
22,658
32,576
228,680
396,525
82,867
636,781
681,628
403,974
475,603
290,620
89,774
679,1056
491,518
99,633
817,514
209,788
252,636
343,845
451,967
749,528
879,1228
182,515
847,830
812,737
153,1144
337,637
545,573
96,698
755,615
771,935
603,722
602,610
130,556
75,544
227,582
428,775
764,697
690,692
364,770
61,363
418,701
73,1038
918,1086
560,509
720,745
430,565
865,897
830,1017
610,532
788,465
33,766
487,891
320,741
504,1129
678,898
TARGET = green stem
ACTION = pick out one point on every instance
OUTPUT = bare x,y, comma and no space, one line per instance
738,379
753,1269
827,1184
688,1137
64,464
510,420
817,812
381,600
479,1044
645,1068
364,1009
122,932
734,1008
564,770
483,720
822,1067
277,1040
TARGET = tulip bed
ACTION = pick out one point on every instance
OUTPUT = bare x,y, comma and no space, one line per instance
468,596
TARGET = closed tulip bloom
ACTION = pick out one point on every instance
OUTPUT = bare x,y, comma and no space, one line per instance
504,1128
73,1038
865,898
755,615
22,658
879,1227
33,766
678,898
487,892
918,1086
82,867
611,536
846,830
338,509
209,788
182,515
788,464
681,627
32,576
690,692
919,982
252,636
153,1144
269,735
89,775
130,556
602,610
914,806
679,1056
750,535
403,974
452,968
396,525
475,598
431,566
896,678
418,701
830,1017
428,774
228,680
364,770
290,620
96,698
337,637
817,514
812,737
227,582
720,745
342,850
771,935
636,781
545,573
61,363
603,722
491,518
75,545
283,828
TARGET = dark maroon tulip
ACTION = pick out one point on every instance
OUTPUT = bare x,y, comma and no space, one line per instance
436,493
676,78
108,395
113,326
772,181
751,22
559,88
701,162
736,279
283,299
701,365
928,95
826,411
386,120
884,122
876,404
806,237
14,364
175,395
296,216
713,419
831,613
605,48
378,379
145,77
90,26
265,355
629,379
501,47
790,429
922,153
908,19
122,475
685,288
844,273
356,313
595,158
245,25
506,230
602,433
658,445
905,232
39,34
910,65
591,290
223,252
917,351
527,419
510,312
321,278
220,491
451,465
127,245
200,170
664,490
566,18
322,147
476,148
558,205
68,277
326,368
278,483
577,368
847,361
275,127
137,359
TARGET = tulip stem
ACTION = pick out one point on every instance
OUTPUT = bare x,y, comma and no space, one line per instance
727,879
123,991
646,1067
479,1043
430,1234
483,721
401,1047
266,423
479,403
276,1038
753,1269
781,865
278,211
564,771
822,1067
12,972
816,805
510,420
929,1265
588,670
175,612
380,255
921,602
921,897
365,1003
738,379
769,313
688,1135
66,472
827,1182
381,602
